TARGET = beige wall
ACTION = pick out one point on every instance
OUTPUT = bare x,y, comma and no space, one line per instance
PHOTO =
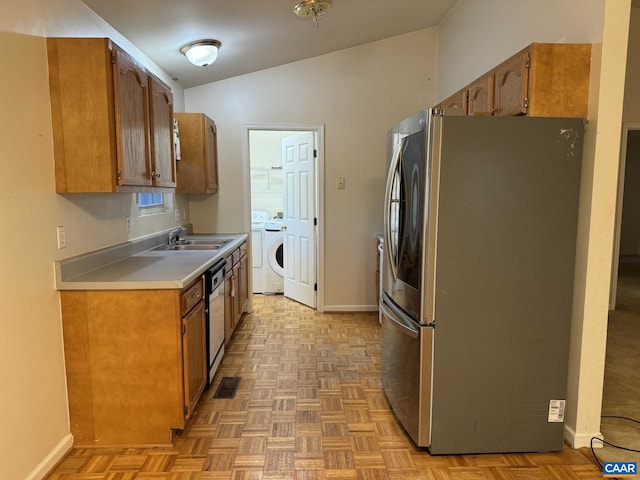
34,400
566,21
476,36
358,94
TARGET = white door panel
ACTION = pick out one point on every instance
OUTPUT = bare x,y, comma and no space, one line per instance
299,215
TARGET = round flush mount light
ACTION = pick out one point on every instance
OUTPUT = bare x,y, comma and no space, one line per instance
201,52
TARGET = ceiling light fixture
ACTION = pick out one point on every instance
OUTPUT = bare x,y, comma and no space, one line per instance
312,8
201,52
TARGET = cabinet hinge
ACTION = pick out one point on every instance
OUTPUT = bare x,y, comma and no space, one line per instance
526,102
315,153
118,175
315,221
527,62
184,329
185,410
113,57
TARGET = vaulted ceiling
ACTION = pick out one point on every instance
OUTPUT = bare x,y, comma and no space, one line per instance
258,34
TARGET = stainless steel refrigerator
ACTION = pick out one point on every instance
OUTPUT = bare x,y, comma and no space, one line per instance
480,234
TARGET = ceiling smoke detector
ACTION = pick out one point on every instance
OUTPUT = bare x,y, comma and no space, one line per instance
312,9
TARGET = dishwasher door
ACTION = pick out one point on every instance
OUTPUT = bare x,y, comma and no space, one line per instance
215,326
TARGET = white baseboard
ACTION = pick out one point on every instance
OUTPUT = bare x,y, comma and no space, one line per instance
351,308
52,459
581,440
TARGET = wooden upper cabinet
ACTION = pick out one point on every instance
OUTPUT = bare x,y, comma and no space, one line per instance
197,170
164,166
131,89
512,85
212,156
457,101
559,79
480,96
105,118
542,80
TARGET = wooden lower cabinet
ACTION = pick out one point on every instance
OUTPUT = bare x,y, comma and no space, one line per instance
133,372
194,357
236,290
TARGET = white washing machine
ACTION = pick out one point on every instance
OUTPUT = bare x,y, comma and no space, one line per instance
267,253
274,255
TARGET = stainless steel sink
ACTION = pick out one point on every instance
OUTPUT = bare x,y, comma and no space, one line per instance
195,244
188,247
219,243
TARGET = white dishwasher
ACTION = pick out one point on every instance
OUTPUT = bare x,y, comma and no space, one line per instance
215,317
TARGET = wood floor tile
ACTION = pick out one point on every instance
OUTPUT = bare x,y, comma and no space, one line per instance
310,406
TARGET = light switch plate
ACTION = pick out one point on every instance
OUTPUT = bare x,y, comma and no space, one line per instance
62,236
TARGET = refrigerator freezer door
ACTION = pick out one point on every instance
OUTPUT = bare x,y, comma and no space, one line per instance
406,370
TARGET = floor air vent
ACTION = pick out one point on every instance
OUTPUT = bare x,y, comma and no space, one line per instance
228,387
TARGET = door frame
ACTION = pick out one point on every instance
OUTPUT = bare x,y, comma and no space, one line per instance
318,130
626,128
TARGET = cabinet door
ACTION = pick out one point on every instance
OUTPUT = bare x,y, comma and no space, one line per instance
161,122
194,357
243,288
131,98
229,315
212,155
237,302
481,96
511,86
457,101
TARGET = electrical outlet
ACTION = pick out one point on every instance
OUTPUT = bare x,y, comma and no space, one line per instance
340,183
128,220
177,212
62,236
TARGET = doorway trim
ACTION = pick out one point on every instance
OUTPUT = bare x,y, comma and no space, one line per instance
318,130
626,128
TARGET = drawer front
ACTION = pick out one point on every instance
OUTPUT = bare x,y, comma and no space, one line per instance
243,250
229,265
236,256
192,295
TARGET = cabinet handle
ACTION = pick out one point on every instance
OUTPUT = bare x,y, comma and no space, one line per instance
154,174
196,295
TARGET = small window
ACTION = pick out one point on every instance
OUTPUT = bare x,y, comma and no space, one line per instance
150,200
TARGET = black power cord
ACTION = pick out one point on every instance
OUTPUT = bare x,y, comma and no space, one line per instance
609,443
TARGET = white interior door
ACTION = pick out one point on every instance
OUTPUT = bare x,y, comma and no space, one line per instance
298,168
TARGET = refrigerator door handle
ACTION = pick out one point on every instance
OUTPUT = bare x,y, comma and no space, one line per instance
405,325
387,210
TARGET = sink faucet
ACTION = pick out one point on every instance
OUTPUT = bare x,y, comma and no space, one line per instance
174,236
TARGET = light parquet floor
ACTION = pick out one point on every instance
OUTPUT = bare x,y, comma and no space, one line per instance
309,407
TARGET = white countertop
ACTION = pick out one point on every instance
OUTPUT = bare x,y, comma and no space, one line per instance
151,269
